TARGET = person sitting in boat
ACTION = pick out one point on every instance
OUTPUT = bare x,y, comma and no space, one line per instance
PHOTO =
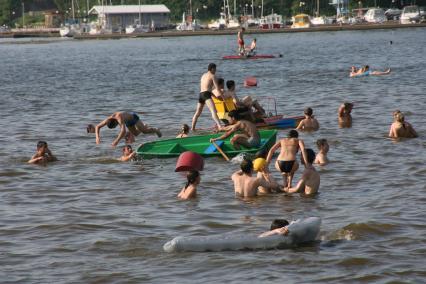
251,50
43,154
278,227
245,185
344,115
128,154
401,128
125,119
259,165
249,136
190,189
240,38
184,131
309,123
323,149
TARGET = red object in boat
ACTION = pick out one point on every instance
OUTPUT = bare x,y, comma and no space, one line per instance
188,161
257,56
250,82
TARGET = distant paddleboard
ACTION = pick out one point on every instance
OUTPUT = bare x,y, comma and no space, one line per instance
250,82
257,56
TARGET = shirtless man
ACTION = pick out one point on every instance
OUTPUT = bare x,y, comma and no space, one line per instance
400,128
208,83
245,184
286,162
241,46
43,154
309,123
344,115
323,149
125,119
310,180
249,138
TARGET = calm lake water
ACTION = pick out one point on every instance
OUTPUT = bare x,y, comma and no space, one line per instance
91,219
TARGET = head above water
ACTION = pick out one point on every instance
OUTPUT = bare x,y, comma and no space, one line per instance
321,143
348,106
112,123
41,144
293,134
308,111
221,83
279,223
90,128
192,177
185,128
366,67
212,67
259,164
310,156
247,166
399,117
127,149
230,84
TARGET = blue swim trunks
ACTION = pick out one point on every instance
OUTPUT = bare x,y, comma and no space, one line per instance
133,121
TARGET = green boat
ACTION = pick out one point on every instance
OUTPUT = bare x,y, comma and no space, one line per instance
170,148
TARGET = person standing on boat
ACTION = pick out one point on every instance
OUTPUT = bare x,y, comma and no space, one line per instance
249,136
208,83
125,119
241,46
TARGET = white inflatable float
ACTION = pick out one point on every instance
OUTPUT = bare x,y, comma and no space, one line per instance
300,231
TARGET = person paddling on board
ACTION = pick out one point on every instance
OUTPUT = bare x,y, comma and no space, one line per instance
310,180
240,38
245,185
125,119
207,84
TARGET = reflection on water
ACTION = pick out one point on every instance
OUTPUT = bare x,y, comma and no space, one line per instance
90,218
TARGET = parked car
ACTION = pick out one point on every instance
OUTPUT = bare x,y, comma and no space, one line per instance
375,15
410,14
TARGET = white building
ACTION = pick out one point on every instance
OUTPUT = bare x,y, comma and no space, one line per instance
118,17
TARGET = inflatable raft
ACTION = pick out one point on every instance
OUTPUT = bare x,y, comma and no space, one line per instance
300,231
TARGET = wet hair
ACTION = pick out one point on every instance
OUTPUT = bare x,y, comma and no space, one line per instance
396,112
90,128
348,105
399,117
41,144
234,114
279,223
211,66
221,82
310,155
247,166
367,67
308,111
321,142
128,147
191,177
185,128
293,134
230,84
112,123
261,154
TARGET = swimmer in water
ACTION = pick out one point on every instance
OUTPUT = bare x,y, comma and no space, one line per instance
184,131
245,185
309,123
365,71
344,115
43,154
128,154
259,165
190,189
310,181
323,148
286,162
125,119
90,128
278,227
401,128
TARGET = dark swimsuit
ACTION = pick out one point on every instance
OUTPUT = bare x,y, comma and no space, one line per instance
286,166
204,96
133,121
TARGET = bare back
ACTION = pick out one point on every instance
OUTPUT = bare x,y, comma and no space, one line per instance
289,149
245,185
248,128
207,82
308,124
312,180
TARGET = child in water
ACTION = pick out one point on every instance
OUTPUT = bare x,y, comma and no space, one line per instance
43,154
184,131
323,148
278,227
128,154
190,189
259,165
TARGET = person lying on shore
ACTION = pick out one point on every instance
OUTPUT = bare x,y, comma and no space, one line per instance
125,119
310,181
309,123
245,185
323,148
365,71
249,136
43,154
278,227
184,131
259,165
286,162
207,84
128,154
190,189
401,128
344,115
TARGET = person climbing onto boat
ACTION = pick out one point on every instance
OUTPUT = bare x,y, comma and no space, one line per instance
184,131
245,185
310,181
207,84
43,154
323,149
309,123
190,189
286,162
278,227
241,46
344,115
259,165
249,136
128,154
125,119
401,128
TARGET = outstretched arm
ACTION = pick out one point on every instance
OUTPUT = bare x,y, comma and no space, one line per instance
301,124
227,134
272,151
299,186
